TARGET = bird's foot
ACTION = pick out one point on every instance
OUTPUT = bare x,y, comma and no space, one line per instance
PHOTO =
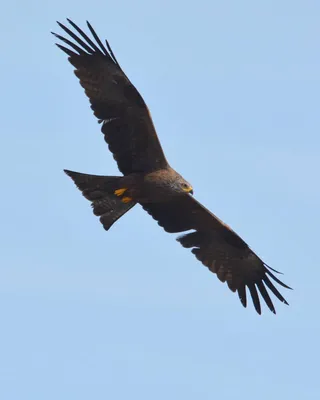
126,199
119,192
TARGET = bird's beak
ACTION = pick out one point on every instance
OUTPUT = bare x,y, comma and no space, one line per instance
189,190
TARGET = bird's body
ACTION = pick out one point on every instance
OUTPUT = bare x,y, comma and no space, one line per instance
149,180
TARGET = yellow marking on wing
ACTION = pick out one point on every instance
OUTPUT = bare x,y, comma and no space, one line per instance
119,192
126,199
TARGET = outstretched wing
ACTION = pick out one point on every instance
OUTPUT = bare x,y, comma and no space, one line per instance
126,123
219,248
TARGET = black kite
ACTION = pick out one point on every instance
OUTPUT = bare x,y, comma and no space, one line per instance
148,178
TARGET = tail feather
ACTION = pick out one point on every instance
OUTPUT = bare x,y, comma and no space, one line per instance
100,191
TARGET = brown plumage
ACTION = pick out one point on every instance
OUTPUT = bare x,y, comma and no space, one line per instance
148,178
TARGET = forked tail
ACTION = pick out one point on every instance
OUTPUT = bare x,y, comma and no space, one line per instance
100,191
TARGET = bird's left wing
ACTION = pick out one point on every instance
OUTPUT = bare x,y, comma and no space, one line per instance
126,122
219,248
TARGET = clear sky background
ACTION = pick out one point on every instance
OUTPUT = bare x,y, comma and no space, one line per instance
234,90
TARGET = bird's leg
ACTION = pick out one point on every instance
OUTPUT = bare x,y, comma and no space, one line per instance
126,199
119,192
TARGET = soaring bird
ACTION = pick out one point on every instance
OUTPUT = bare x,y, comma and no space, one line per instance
148,179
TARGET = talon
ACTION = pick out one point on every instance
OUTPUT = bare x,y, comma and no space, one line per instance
126,199
119,192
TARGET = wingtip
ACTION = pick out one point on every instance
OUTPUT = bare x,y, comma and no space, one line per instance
280,273
55,35
243,304
67,172
88,24
272,269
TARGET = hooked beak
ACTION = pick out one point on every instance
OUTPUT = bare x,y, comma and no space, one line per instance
189,190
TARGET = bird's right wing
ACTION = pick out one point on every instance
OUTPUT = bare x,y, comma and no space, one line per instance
219,248
126,122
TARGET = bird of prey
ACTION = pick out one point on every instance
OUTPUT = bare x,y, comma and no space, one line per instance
148,178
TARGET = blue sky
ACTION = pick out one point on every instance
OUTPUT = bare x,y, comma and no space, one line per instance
234,91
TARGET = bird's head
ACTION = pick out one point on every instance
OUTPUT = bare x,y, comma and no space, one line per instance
176,182
184,187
